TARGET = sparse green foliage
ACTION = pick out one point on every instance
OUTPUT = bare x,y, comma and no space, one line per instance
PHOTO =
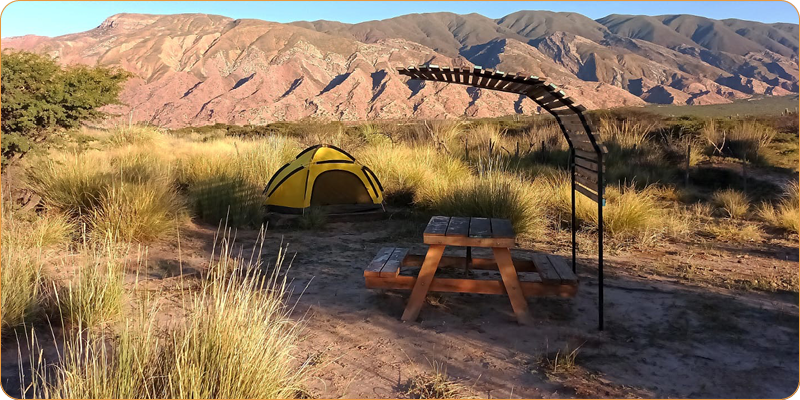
41,98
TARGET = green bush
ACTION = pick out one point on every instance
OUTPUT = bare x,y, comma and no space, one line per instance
40,98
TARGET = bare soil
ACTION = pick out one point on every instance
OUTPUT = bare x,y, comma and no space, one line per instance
669,332
678,321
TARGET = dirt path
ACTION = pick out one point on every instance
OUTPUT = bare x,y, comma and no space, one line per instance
663,338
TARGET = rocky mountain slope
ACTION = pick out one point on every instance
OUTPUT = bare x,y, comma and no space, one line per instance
197,69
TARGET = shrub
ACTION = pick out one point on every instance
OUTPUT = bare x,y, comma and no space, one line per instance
40,98
733,203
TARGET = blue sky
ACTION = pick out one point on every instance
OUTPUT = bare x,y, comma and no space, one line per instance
53,18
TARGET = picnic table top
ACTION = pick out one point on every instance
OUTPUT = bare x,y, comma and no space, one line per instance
469,231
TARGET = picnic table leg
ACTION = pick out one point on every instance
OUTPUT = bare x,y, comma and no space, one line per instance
423,283
511,281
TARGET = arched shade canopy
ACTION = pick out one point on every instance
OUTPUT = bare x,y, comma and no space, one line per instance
586,150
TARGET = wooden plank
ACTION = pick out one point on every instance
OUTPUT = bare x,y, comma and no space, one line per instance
487,264
586,182
480,228
528,277
564,271
459,226
423,283
586,155
588,193
588,147
546,270
502,228
377,263
512,285
591,175
447,73
437,226
529,288
392,267
468,241
590,165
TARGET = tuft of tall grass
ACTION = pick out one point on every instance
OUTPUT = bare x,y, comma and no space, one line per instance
626,134
70,183
405,170
493,193
23,241
629,213
132,135
733,203
786,213
237,341
20,284
745,139
225,180
94,295
133,212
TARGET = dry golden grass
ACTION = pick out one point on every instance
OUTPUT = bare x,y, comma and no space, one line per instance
434,385
733,203
786,213
237,341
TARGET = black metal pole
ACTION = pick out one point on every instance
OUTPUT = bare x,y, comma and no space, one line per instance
573,223
600,195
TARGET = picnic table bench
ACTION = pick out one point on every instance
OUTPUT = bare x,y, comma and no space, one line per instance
544,275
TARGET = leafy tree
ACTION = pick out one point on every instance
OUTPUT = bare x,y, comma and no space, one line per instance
40,98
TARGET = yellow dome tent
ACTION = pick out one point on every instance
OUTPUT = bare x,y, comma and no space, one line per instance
324,176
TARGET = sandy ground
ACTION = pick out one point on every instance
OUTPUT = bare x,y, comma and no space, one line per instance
668,333
664,337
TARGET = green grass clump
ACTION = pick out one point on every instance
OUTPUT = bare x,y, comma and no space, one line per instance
733,203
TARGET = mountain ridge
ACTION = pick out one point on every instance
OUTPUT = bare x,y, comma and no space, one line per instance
197,69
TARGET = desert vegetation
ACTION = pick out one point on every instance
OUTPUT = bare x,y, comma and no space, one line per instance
106,193
84,206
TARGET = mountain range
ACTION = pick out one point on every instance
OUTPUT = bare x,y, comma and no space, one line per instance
198,69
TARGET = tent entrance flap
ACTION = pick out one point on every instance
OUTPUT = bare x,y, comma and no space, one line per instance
339,187
331,178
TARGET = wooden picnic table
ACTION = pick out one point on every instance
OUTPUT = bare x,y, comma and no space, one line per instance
545,274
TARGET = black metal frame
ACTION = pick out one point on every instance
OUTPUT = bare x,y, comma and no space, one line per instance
578,133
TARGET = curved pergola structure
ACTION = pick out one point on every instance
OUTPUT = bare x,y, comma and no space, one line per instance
586,150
